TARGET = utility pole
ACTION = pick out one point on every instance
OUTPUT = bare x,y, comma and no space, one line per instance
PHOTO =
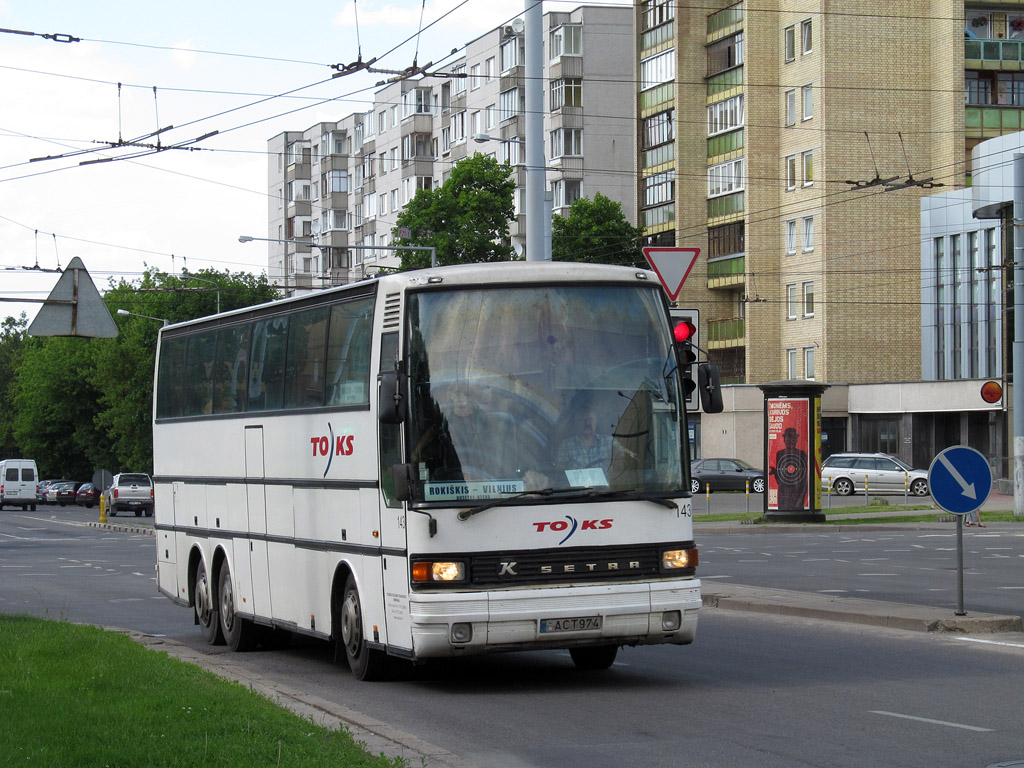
534,132
1018,333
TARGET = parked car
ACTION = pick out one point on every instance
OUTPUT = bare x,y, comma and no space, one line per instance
130,490
725,475
66,493
43,485
847,473
19,480
87,495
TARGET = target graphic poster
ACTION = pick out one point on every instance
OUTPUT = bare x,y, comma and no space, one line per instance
788,467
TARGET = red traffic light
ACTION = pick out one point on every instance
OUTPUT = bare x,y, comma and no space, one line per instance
991,391
684,331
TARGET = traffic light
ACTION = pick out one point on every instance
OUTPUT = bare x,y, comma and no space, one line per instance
684,332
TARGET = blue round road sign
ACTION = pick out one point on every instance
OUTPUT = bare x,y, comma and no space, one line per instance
960,479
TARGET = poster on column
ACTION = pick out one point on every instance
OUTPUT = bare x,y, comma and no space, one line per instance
788,468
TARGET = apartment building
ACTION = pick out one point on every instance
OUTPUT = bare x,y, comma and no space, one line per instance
337,188
794,142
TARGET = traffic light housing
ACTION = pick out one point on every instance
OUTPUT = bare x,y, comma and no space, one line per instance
685,324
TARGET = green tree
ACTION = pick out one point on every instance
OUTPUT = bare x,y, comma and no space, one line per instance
12,347
596,232
466,219
85,404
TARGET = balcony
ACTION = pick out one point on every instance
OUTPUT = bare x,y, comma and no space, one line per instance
723,334
726,272
1004,55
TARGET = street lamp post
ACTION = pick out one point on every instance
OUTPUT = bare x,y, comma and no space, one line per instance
125,312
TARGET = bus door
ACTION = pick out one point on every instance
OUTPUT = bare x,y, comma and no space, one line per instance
258,572
392,515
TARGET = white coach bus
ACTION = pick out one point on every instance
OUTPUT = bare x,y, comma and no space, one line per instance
430,464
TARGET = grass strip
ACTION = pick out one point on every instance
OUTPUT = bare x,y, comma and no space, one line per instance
74,695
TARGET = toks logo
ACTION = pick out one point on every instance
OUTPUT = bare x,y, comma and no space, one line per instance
571,525
329,446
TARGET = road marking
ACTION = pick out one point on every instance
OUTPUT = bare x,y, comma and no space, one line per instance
990,642
878,574
929,720
126,600
1009,587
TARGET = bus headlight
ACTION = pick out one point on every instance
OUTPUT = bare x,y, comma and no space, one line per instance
672,559
445,571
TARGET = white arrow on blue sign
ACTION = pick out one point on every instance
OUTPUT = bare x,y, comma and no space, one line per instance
960,479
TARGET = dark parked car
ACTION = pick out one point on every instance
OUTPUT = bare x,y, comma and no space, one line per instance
87,495
725,475
48,491
65,493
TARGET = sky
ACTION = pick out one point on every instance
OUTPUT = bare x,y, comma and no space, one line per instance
242,72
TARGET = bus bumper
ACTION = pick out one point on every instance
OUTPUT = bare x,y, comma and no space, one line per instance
554,617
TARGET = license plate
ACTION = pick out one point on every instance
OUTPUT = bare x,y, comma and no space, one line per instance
134,503
575,624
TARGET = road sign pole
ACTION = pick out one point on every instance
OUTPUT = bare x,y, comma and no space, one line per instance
960,566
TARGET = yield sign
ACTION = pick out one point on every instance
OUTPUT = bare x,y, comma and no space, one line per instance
672,266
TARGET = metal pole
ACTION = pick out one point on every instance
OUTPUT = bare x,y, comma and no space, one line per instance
960,566
534,131
1018,333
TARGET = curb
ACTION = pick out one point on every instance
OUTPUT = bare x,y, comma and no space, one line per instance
854,610
375,737
124,528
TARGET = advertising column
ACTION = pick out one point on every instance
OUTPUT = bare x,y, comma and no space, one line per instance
793,450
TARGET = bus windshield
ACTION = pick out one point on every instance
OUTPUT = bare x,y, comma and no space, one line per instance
519,389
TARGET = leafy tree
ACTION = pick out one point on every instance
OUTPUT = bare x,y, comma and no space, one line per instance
84,404
596,232
465,219
12,347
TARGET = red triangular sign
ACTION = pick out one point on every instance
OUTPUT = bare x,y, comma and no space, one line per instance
672,265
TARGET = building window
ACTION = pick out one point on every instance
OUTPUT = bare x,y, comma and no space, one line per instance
725,54
416,102
805,37
474,77
789,43
566,92
659,129
792,301
941,279
489,111
510,104
808,158
791,107
458,79
725,115
335,181
791,367
791,237
566,192
566,40
726,240
458,126
808,362
659,189
809,299
808,234
511,53
566,142
725,178
807,97
489,69
657,12
791,172
658,69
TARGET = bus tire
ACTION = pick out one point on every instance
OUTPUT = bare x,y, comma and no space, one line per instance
206,607
239,633
364,662
592,657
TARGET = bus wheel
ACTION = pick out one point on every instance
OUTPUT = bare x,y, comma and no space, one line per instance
365,663
206,611
594,657
239,633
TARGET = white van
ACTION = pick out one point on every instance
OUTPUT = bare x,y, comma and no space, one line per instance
19,483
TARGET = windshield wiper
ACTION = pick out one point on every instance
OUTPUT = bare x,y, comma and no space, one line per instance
468,513
611,494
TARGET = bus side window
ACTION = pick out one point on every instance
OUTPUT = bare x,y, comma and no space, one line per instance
390,434
307,352
202,348
348,353
266,367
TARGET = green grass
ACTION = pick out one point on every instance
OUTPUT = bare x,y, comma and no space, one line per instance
926,514
73,695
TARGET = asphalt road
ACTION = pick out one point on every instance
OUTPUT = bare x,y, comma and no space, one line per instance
752,690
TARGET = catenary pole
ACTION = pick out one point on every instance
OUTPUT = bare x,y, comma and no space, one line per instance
534,131
1018,333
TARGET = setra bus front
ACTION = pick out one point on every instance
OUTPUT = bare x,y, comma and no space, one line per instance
539,451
